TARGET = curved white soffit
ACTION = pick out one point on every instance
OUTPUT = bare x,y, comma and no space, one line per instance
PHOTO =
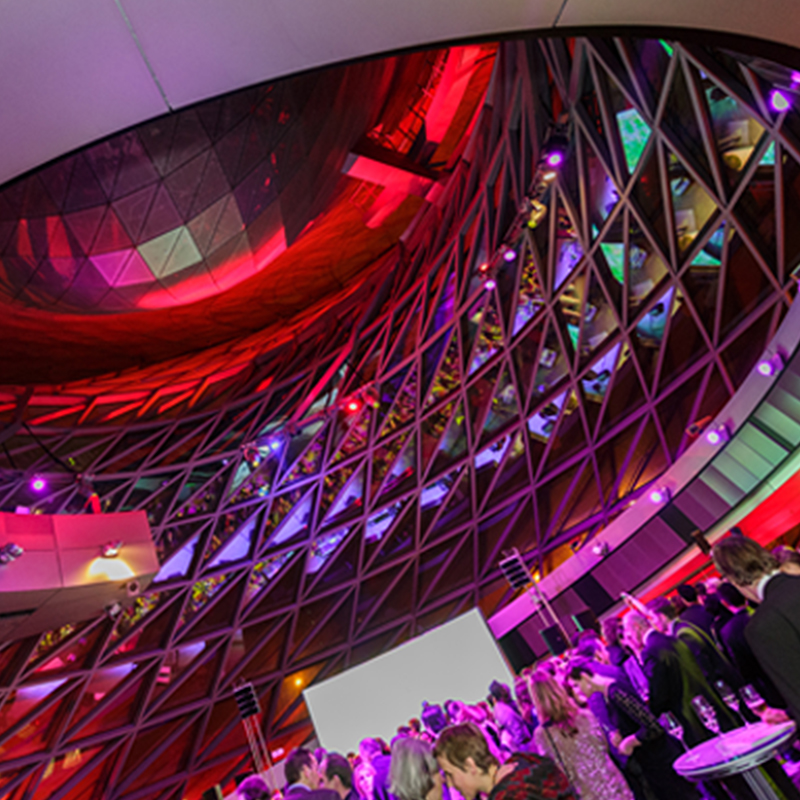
73,72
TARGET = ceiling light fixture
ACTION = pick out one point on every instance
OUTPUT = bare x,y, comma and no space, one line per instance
718,435
659,495
769,366
779,101
38,483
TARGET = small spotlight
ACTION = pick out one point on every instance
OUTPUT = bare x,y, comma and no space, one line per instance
490,284
600,549
38,484
550,175
111,549
659,495
483,268
352,406
778,100
10,552
298,681
554,159
510,254
769,366
718,435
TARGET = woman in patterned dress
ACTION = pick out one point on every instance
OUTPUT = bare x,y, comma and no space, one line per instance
573,738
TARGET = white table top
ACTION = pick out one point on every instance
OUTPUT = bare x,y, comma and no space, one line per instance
734,752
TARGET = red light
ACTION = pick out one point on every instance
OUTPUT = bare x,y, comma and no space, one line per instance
483,267
352,406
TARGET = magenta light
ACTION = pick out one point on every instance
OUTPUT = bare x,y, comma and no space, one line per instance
510,254
766,368
490,284
778,100
714,437
554,159
38,484
659,495
795,77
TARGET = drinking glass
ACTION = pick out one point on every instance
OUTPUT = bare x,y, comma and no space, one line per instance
753,700
706,713
728,697
671,724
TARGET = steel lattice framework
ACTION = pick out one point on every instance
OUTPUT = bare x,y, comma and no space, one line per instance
359,489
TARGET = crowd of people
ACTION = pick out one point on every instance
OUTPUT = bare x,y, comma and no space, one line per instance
607,719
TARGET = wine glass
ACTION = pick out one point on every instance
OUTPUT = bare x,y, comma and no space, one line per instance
706,713
753,700
671,724
728,697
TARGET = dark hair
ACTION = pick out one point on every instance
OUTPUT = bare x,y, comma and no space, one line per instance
295,761
743,561
500,692
687,593
253,788
730,595
786,555
662,605
588,645
700,589
433,718
337,764
580,668
612,628
457,743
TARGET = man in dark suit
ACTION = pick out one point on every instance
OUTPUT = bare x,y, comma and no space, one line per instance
773,632
303,778
739,651
338,776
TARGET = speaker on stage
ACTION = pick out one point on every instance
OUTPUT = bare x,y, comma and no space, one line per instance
554,639
586,621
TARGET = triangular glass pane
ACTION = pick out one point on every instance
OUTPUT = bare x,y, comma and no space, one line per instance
568,248
552,364
596,381
504,408
458,509
791,209
645,266
598,320
635,134
323,548
490,338
650,329
379,522
433,426
453,445
756,214
530,298
746,285
405,405
680,119
430,361
297,522
626,395
692,205
736,133
448,376
543,422
570,436
446,304
648,193
264,572
232,539
383,460
399,541
356,438
710,254
403,471
309,464
603,194
685,342
332,484
281,506
479,397
351,500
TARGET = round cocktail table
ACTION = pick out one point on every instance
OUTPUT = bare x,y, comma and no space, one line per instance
738,752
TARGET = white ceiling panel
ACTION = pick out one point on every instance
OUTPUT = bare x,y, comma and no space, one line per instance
69,73
200,48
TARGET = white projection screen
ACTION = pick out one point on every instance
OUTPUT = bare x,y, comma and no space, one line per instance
457,660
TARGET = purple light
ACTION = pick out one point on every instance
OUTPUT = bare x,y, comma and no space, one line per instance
510,254
795,77
778,100
554,159
490,284
766,368
38,484
713,437
659,495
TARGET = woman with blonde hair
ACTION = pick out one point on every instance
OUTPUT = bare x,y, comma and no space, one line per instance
573,738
